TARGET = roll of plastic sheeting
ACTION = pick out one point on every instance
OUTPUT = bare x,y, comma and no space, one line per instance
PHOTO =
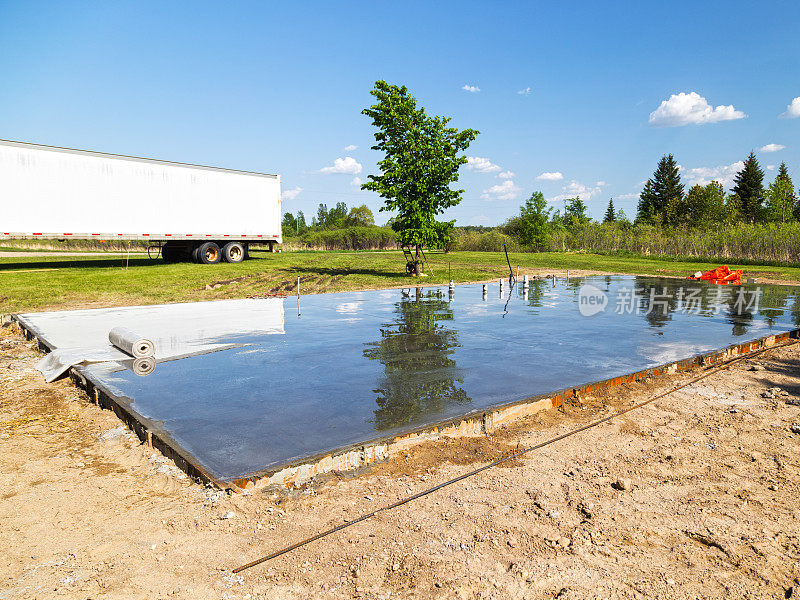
131,343
59,361
143,366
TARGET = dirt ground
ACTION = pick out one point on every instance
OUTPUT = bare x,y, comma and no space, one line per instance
693,496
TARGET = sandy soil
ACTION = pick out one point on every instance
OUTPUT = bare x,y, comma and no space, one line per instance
709,506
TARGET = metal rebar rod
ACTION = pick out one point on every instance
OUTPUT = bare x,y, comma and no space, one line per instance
510,270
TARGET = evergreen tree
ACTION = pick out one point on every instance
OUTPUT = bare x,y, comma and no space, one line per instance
749,188
610,216
662,199
645,212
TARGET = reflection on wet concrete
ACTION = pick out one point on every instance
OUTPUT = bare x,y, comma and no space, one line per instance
362,365
416,349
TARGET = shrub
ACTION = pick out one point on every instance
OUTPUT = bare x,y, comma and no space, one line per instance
351,238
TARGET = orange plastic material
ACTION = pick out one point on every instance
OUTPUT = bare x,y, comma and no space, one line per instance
721,276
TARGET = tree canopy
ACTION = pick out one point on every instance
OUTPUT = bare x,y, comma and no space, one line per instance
360,216
421,160
780,196
533,221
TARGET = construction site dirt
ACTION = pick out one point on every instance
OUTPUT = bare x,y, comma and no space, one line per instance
693,496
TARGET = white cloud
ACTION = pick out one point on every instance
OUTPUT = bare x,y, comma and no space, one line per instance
724,174
482,165
627,196
525,91
503,191
793,110
346,165
506,175
470,88
772,148
479,220
770,167
356,182
550,176
601,183
692,108
350,148
291,194
575,189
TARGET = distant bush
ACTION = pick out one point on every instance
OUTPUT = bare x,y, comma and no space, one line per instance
351,238
766,242
482,241
759,242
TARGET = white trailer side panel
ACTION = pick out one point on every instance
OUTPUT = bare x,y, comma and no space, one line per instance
63,193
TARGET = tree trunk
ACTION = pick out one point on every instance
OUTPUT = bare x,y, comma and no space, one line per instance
417,263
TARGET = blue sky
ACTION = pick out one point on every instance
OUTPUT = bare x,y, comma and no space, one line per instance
572,90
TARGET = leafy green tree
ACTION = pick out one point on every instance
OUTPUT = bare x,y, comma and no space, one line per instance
662,198
302,226
330,219
733,208
360,216
780,197
622,218
796,210
289,225
337,216
705,205
421,160
533,224
321,220
577,213
749,188
610,215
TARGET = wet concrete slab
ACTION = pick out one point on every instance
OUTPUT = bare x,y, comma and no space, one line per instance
329,371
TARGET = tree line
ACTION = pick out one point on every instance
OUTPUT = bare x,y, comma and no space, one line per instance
327,219
664,202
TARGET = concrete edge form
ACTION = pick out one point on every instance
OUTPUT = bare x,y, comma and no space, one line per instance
358,456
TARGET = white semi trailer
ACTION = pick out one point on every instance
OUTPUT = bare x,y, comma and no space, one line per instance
188,211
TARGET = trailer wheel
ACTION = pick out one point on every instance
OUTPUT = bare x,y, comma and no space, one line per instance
233,252
208,253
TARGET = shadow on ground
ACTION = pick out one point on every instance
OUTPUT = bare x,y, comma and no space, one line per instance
339,272
78,263
779,369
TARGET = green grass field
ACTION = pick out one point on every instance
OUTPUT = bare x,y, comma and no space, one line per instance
46,283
